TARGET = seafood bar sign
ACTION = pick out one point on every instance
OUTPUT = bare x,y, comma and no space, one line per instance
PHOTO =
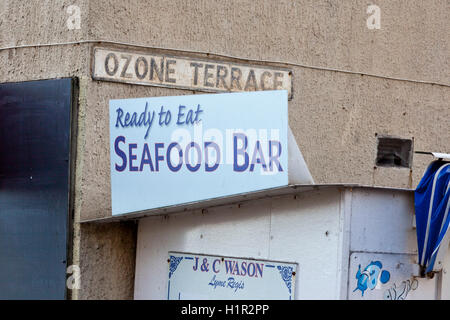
168,151
203,277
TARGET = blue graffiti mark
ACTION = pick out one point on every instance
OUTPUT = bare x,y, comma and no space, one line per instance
385,276
369,277
401,292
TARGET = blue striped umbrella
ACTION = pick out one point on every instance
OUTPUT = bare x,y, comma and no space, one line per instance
432,203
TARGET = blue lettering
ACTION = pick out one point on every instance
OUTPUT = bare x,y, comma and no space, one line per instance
258,157
244,268
214,265
119,117
146,158
161,113
216,283
196,264
127,120
216,147
229,266
180,114
148,122
143,116
132,156
259,269
199,154
274,158
252,273
233,284
132,120
190,117
197,113
157,156
180,154
236,269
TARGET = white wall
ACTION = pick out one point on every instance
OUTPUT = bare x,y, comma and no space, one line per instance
303,230
382,221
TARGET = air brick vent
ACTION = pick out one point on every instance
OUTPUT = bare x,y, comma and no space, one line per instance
394,152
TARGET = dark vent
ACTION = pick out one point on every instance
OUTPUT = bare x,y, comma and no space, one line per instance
394,152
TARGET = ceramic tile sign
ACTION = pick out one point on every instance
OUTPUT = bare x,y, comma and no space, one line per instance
388,276
168,151
205,277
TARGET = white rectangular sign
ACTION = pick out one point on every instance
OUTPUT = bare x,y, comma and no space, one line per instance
205,277
187,73
167,151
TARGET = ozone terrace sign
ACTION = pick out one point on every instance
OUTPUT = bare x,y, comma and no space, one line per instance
187,73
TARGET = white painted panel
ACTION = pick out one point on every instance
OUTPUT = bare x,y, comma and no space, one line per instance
387,276
382,221
275,229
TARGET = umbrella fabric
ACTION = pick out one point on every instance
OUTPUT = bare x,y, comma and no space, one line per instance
432,202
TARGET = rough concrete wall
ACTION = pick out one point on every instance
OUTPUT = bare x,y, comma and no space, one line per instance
40,21
412,41
336,118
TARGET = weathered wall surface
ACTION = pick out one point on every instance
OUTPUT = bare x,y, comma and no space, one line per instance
335,116
412,41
